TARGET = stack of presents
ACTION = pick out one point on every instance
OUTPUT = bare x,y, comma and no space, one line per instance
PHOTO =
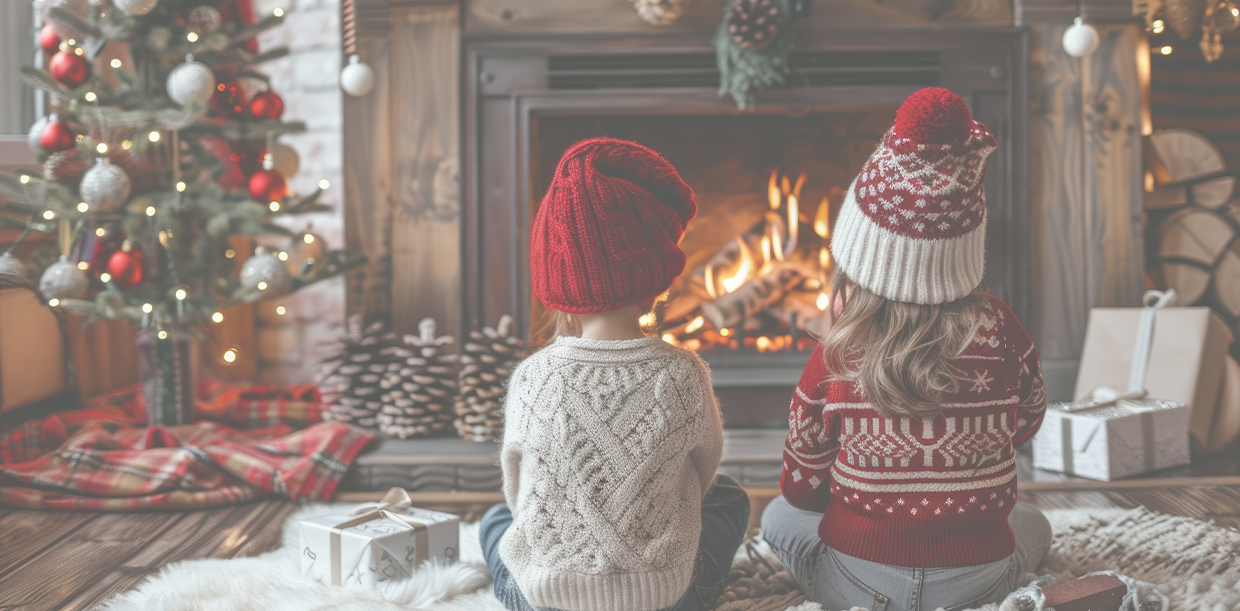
1156,385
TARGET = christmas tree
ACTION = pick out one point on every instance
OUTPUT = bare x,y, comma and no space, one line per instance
161,165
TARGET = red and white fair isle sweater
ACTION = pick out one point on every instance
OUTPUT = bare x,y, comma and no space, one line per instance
919,492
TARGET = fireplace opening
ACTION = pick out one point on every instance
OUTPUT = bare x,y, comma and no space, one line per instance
768,186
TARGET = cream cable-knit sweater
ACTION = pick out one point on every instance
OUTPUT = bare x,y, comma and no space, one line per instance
609,448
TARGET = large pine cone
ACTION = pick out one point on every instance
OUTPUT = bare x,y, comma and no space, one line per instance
350,382
753,24
487,360
418,398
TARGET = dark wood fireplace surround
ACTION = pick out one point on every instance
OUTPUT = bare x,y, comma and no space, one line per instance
510,82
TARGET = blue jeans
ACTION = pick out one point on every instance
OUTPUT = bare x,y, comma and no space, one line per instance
838,581
725,517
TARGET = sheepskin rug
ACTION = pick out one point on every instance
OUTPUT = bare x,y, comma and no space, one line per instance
1185,563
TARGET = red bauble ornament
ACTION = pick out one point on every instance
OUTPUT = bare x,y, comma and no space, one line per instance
69,68
267,186
229,99
56,137
125,266
49,40
266,105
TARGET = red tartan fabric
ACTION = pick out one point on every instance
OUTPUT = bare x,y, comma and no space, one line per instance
103,458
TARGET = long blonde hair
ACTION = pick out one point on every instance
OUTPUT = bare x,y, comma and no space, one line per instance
901,353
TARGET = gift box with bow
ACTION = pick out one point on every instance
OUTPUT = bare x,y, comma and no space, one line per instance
377,542
1112,439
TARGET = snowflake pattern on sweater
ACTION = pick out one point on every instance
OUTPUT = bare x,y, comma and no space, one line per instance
917,492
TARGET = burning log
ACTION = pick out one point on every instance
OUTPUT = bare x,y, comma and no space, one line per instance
751,297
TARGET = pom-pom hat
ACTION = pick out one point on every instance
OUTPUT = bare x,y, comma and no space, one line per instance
913,225
606,234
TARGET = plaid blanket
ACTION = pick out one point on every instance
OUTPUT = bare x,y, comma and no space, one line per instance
247,445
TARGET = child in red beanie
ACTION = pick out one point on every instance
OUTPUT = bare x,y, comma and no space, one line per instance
611,437
899,477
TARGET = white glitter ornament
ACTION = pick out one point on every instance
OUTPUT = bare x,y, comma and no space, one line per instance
11,266
1080,39
36,132
204,19
357,78
136,7
264,275
285,160
105,187
191,83
63,280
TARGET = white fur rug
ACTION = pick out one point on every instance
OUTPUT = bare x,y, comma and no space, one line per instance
1188,564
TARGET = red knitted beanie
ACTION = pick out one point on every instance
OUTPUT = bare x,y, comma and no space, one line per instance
607,231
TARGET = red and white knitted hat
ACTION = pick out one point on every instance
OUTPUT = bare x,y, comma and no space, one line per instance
913,226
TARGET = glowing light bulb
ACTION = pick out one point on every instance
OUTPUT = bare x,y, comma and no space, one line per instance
105,277
217,317
181,294
262,286
126,144
280,310
153,136
162,335
275,206
116,63
309,239
90,96
1235,12
101,232
49,215
71,42
102,148
1158,26
283,256
24,179
192,37
150,210
83,207
79,51
279,12
230,355
180,187
147,308
82,265
53,302
725,332
323,184
230,253
1165,50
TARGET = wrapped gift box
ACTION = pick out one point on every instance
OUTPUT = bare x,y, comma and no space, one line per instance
32,355
1186,358
1113,441
377,543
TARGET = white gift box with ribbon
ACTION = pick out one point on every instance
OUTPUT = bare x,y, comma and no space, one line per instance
377,542
1118,433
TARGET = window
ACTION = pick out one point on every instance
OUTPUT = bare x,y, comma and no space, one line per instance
17,101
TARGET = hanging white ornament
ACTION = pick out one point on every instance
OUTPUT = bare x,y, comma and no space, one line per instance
63,280
284,160
105,187
36,132
191,83
136,7
264,275
11,266
357,78
1080,39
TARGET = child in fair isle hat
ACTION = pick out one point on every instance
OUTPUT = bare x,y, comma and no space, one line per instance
899,475
611,438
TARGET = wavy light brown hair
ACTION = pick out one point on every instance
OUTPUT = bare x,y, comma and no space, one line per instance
901,353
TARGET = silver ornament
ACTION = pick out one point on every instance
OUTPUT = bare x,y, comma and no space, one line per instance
36,132
264,275
204,19
105,187
11,266
136,7
63,280
191,83
285,160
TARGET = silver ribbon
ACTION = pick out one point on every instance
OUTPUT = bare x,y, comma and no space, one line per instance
395,501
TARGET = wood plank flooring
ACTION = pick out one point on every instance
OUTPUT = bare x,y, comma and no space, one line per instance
73,561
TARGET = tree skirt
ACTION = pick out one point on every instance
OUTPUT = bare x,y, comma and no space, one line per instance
1186,563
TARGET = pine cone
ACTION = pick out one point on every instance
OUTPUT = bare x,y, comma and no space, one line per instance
418,398
487,361
753,24
351,381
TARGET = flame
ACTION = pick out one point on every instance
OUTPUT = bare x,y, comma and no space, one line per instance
794,220
822,225
773,194
764,343
725,332
669,338
695,324
796,189
766,249
744,271
784,186
709,278
824,258
822,301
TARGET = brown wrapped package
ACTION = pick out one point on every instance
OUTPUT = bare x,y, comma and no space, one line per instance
32,353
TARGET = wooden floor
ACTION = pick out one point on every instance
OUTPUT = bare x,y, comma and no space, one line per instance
76,560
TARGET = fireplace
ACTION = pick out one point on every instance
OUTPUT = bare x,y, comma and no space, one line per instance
768,181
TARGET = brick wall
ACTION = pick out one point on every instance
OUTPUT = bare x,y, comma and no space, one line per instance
291,345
